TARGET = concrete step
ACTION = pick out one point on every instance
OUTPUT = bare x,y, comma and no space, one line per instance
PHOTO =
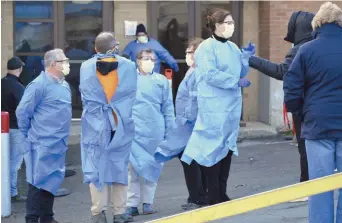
253,130
256,130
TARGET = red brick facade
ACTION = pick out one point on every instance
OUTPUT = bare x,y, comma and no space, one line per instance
274,16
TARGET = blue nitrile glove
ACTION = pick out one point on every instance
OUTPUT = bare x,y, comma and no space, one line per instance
250,48
244,82
247,52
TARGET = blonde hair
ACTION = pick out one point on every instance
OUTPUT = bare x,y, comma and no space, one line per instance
328,13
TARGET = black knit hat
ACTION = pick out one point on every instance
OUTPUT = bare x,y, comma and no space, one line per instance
15,63
140,29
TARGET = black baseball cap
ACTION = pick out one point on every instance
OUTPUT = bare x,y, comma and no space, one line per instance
15,63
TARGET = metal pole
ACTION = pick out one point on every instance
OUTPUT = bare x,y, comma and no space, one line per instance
5,167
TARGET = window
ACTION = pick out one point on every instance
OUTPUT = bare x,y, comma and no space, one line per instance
173,23
70,25
34,34
173,27
82,22
34,10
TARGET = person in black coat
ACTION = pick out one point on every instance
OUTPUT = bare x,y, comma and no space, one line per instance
299,32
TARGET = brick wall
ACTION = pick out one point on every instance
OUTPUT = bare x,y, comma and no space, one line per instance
274,16
6,34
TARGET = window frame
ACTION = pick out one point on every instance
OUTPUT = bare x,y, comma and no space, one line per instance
194,25
58,21
59,24
53,20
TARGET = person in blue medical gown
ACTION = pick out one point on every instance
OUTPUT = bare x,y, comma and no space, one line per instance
108,86
44,117
186,114
143,41
153,115
220,72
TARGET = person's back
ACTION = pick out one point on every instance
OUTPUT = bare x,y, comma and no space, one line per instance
315,78
323,84
12,91
108,86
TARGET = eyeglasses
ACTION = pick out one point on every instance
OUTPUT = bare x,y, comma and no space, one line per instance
228,22
147,58
62,61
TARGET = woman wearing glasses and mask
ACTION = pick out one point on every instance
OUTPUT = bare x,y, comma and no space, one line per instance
220,72
153,115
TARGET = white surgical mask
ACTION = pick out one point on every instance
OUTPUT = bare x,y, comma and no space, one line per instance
228,32
147,66
66,69
143,39
189,61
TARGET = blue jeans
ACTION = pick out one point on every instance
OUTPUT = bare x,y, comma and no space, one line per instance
323,157
17,149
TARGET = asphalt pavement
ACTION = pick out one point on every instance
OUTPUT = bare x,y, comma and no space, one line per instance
261,165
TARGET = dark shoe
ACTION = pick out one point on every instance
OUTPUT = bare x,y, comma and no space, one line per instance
61,192
147,209
132,211
18,199
122,218
100,218
52,221
31,221
191,206
225,198
69,173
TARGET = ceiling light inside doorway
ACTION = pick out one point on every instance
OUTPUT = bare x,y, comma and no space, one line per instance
82,1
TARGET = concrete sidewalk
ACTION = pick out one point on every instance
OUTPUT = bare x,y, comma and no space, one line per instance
262,165
253,130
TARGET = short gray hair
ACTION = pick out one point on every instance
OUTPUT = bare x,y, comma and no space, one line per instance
141,52
52,56
104,42
327,13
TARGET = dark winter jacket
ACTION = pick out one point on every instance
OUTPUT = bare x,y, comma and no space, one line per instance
299,32
313,84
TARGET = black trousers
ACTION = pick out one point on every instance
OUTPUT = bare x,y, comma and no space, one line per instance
217,177
39,205
304,174
195,182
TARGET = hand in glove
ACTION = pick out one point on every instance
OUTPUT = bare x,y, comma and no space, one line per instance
247,52
244,82
250,49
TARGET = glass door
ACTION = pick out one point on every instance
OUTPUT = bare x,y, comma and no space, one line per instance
81,23
172,24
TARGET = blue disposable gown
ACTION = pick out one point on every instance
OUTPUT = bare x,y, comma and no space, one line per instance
153,115
44,116
162,54
219,67
105,160
186,114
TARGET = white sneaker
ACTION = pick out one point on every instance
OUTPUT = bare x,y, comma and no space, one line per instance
300,200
